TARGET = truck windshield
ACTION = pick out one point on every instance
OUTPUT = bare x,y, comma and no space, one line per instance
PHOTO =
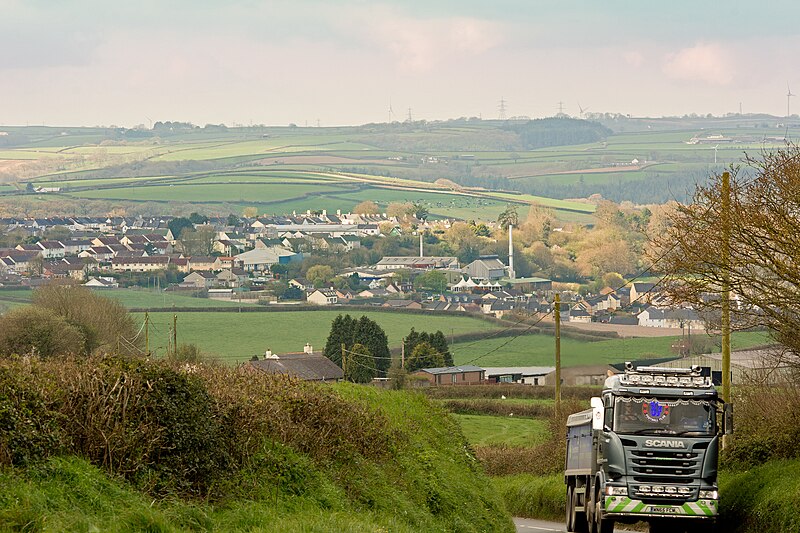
664,417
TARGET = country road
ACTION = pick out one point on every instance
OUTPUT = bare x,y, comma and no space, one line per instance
528,525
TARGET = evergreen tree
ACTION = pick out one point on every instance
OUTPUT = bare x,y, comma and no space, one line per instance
371,335
424,356
341,332
439,342
360,365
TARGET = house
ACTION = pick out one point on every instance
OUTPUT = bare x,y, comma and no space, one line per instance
101,283
402,304
579,315
323,297
485,268
656,317
453,375
233,277
582,375
642,292
140,264
223,262
307,365
200,280
198,262
301,283
527,375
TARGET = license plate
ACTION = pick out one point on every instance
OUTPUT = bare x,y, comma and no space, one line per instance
664,510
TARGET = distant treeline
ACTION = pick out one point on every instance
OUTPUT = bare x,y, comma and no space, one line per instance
557,131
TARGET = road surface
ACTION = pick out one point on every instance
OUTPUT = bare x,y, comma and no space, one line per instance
528,525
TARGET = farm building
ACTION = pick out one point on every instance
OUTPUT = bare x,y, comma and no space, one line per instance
453,375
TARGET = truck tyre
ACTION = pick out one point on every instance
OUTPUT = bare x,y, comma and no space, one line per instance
570,510
601,525
579,523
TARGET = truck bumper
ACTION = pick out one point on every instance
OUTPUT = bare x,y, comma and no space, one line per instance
618,506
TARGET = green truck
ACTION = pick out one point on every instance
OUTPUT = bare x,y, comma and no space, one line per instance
647,451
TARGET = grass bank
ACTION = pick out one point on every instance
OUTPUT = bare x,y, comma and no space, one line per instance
129,445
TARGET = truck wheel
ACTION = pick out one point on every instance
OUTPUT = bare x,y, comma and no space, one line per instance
570,511
601,525
579,523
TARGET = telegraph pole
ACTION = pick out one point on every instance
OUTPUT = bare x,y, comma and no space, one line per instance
726,287
403,353
344,361
175,335
147,333
557,317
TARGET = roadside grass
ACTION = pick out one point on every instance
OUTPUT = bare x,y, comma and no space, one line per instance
763,498
484,430
531,496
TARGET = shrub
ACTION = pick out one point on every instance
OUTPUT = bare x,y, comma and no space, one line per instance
32,330
493,407
29,428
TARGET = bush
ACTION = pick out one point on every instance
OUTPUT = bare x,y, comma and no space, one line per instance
31,330
765,425
29,428
530,496
493,407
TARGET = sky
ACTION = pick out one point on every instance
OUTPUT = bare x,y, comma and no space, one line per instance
344,62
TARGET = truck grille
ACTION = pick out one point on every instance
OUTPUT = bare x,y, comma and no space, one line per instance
675,467
663,475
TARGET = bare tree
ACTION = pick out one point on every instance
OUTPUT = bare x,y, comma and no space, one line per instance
752,246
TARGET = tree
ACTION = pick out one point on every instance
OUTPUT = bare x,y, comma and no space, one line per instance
508,217
437,341
198,241
433,280
34,330
424,356
319,274
104,322
250,212
347,331
197,218
367,207
752,247
420,211
359,364
178,225
232,220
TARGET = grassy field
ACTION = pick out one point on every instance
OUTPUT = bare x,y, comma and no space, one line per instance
235,337
538,350
482,430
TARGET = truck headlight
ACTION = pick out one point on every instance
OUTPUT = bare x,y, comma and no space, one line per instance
709,495
616,491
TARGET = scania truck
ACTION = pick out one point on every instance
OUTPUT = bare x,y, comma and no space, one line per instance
647,451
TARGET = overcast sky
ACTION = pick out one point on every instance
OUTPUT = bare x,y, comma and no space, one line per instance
102,62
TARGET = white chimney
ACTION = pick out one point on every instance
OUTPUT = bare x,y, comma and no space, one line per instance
338,212
511,251
269,355
420,245
324,212
308,349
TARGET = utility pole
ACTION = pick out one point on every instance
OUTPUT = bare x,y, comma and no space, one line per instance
175,335
557,317
726,287
403,353
344,361
147,333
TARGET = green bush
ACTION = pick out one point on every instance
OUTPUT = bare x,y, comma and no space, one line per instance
29,428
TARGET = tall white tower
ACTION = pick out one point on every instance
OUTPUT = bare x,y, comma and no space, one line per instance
511,251
420,244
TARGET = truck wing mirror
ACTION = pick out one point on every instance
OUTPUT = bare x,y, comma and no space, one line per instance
597,412
727,419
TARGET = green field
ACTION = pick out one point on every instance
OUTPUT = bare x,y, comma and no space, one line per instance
483,430
235,337
539,350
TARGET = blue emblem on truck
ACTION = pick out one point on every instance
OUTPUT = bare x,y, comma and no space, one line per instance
654,411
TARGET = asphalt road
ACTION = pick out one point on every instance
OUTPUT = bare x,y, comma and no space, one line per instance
527,525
